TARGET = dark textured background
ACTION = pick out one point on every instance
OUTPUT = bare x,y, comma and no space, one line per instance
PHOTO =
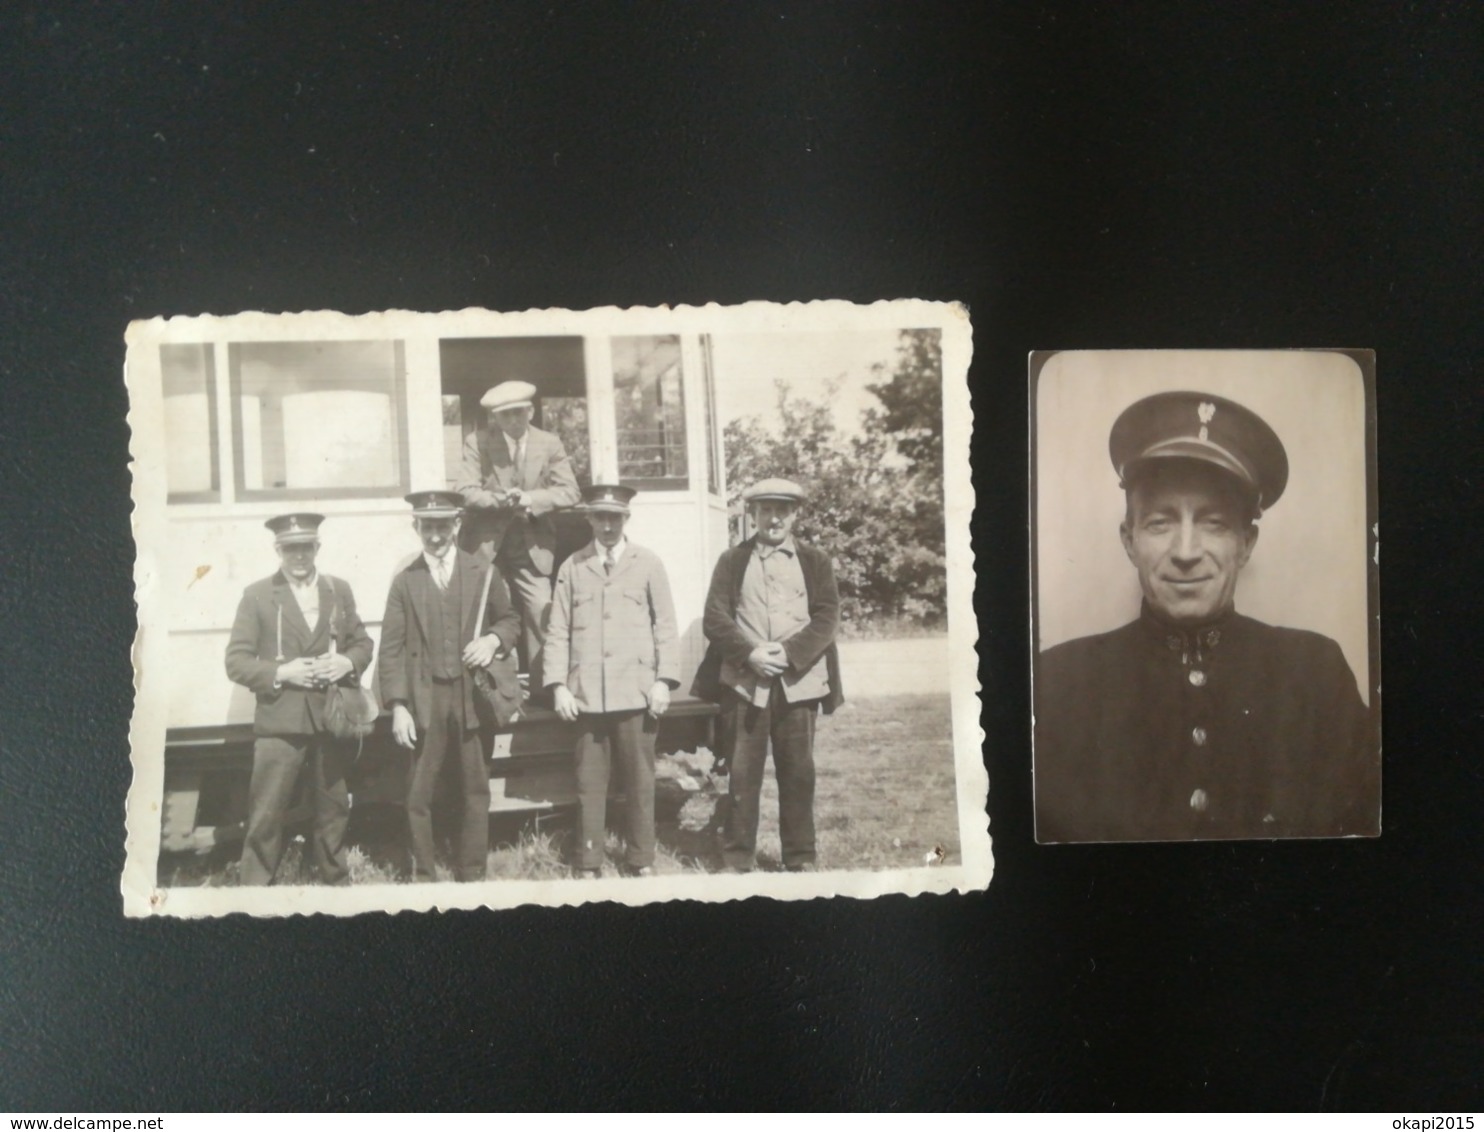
1094,175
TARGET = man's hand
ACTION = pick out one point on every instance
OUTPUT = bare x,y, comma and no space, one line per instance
768,660
514,498
481,650
404,728
480,498
564,703
297,673
659,699
332,668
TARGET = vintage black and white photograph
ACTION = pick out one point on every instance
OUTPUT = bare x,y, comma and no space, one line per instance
1204,567
463,609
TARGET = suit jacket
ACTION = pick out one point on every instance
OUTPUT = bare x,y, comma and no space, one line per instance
727,640
1265,723
270,629
612,636
545,479
405,672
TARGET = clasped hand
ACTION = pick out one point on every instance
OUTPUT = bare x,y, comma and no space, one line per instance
507,500
315,671
768,659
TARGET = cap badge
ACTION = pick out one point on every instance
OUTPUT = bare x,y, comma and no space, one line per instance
1206,411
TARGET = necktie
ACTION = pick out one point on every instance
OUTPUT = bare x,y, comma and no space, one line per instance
442,573
608,562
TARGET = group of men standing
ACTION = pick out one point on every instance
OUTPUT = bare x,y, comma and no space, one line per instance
602,643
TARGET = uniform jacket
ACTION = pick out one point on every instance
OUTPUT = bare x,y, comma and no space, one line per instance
404,672
1266,723
545,478
253,650
726,639
611,637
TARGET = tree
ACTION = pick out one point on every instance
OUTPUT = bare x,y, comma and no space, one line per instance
912,401
876,497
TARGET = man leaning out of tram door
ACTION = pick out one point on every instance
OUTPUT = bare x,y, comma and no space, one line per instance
612,659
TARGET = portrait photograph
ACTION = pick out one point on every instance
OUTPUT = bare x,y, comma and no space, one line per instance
1205,626
481,609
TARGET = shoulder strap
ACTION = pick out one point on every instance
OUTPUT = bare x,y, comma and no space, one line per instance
334,612
484,600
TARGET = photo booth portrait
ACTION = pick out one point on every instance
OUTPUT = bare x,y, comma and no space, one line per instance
1204,571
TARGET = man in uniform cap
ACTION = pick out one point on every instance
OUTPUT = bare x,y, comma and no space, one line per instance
1193,721
512,478
296,634
434,637
772,613
613,657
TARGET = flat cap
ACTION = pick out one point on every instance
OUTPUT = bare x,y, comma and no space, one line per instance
509,395
774,488
436,504
607,497
1201,426
298,526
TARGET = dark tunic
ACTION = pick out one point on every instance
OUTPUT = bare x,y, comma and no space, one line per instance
1238,729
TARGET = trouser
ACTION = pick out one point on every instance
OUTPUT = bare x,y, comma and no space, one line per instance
531,591
446,731
624,738
789,728
277,762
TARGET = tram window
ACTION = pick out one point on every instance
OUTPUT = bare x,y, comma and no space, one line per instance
319,419
453,436
188,374
649,406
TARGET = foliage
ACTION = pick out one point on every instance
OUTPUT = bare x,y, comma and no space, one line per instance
875,497
567,418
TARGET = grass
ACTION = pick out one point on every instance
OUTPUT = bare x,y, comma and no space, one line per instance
884,799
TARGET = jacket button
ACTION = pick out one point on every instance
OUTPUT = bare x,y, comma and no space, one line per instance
1199,801
1198,736
1197,677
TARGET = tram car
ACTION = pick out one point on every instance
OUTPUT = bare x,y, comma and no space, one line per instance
347,427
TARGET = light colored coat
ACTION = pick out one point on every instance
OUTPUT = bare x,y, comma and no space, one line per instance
546,481
611,637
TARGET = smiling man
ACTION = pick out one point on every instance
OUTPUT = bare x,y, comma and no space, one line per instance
1193,721
296,634
614,658
434,637
772,614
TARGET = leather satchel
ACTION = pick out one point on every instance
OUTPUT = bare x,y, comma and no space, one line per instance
350,710
497,692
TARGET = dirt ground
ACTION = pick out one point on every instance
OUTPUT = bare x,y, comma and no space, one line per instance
916,666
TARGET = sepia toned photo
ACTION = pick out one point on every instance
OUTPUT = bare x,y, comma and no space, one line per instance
479,609
1205,627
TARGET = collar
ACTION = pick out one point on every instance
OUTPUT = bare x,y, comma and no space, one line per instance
512,445
616,553
762,550
1186,639
451,557
312,583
